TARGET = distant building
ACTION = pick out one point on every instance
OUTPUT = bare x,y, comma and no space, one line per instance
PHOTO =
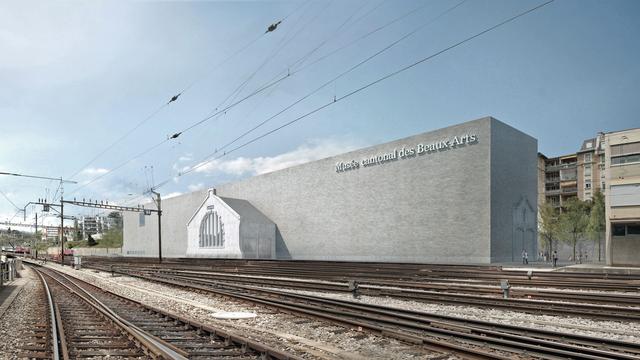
573,175
89,226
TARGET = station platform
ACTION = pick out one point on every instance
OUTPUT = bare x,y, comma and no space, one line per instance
9,292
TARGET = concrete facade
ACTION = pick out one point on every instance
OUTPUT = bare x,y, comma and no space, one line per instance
462,194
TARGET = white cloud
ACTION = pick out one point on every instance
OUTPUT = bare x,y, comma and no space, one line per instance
94,171
260,165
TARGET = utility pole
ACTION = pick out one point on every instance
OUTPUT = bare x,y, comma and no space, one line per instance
157,200
61,231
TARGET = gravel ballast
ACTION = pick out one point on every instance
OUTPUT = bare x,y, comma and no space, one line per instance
17,322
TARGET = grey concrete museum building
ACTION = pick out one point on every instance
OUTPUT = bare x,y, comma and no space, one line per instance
463,194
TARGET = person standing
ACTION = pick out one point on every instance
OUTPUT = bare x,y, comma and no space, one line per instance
524,254
555,258
526,258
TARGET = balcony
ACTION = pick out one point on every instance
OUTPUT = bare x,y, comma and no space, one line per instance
568,177
569,190
552,179
561,166
552,192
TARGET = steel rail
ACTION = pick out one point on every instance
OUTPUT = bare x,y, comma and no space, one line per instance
52,313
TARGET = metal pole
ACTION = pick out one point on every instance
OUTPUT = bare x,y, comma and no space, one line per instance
61,232
159,226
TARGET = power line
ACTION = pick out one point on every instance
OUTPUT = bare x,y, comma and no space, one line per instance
9,200
353,92
119,166
354,67
174,98
366,35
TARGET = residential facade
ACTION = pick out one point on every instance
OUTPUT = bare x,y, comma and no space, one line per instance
622,199
580,174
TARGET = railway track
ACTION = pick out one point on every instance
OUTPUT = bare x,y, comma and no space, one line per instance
409,274
38,341
466,338
94,323
581,304
403,288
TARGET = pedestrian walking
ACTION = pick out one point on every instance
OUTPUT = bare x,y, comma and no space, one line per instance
555,258
525,257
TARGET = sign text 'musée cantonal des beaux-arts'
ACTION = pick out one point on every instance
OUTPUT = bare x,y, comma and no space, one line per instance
408,152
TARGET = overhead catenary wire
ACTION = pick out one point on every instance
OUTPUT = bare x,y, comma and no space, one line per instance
9,200
240,50
344,73
267,85
178,133
283,43
364,87
173,99
364,36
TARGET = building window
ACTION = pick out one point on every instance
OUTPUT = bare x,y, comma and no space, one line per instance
633,229
618,230
625,149
587,184
587,157
602,187
621,160
141,219
587,170
211,231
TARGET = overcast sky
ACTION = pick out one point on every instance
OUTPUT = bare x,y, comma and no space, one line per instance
78,75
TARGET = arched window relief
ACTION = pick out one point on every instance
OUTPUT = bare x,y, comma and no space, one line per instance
211,231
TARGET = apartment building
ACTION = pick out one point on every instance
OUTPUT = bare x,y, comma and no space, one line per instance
590,167
573,175
622,198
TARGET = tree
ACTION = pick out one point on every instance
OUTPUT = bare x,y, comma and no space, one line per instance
549,225
574,220
91,241
116,219
597,222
